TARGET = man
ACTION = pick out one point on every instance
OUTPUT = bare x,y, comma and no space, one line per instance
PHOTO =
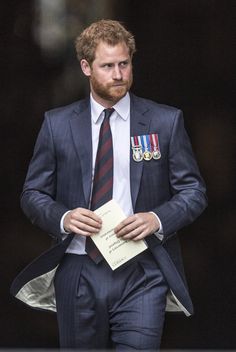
150,171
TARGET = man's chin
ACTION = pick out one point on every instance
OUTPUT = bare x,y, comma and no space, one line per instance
118,93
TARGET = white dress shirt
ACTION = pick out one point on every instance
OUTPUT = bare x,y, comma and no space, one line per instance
120,129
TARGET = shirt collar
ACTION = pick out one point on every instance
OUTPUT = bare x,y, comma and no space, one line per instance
122,108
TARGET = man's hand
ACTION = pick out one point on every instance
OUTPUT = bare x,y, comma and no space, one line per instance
137,226
82,221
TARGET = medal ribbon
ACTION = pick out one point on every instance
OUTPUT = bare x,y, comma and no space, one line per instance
154,142
145,143
135,141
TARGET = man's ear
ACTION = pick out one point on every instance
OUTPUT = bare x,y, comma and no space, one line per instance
85,67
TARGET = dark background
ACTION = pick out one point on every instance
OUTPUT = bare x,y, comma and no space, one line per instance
186,57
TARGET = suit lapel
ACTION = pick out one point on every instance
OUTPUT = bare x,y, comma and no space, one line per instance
82,137
139,125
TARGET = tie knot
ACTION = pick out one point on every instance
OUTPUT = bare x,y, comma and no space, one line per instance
108,112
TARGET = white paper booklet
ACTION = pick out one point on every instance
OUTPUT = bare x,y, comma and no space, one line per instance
116,251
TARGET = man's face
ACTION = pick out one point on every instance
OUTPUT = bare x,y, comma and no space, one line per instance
110,73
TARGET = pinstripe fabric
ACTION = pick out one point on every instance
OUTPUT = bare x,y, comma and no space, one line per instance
65,283
99,308
103,177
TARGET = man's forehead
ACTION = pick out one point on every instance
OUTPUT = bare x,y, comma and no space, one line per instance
107,49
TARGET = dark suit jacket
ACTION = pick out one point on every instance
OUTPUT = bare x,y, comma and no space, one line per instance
59,179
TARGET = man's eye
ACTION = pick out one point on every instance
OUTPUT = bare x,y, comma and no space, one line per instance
124,63
107,65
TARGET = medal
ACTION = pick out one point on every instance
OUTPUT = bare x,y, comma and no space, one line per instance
137,153
145,147
136,148
155,146
147,154
156,154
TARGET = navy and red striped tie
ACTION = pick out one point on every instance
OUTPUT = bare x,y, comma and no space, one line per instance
103,177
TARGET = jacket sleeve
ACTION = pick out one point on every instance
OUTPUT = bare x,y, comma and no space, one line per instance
188,192
38,199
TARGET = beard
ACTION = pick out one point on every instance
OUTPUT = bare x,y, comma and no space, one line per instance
111,92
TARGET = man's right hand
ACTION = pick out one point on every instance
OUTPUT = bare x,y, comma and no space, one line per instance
82,221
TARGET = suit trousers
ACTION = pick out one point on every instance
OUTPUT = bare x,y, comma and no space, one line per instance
98,308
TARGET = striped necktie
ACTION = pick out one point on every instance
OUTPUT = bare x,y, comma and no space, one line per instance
103,177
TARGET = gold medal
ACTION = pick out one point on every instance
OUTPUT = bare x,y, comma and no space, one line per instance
147,155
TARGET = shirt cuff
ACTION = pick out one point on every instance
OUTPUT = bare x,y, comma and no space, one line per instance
63,232
159,233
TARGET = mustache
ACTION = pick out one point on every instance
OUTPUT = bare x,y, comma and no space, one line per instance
117,84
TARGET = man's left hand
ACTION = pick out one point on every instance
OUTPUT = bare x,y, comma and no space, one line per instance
137,226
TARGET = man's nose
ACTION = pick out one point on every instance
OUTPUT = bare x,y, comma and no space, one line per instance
117,73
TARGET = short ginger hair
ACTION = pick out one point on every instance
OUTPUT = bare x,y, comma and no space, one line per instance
108,31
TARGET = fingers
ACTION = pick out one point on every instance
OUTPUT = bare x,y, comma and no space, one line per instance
137,226
82,221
